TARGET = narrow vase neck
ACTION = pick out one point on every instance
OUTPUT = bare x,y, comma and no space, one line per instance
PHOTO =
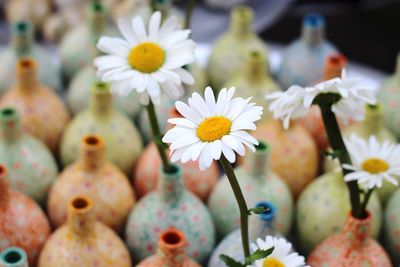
164,6
92,152
171,248
13,257
334,65
101,99
357,230
4,187
22,39
263,224
10,127
313,31
256,66
373,121
241,19
171,185
98,20
26,71
257,164
80,217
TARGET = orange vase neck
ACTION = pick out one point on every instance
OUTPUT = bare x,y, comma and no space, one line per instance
255,66
313,31
357,230
4,187
22,38
92,152
26,72
241,19
334,65
171,248
80,217
258,163
10,128
101,101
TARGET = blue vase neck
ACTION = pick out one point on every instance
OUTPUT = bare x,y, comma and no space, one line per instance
313,30
263,224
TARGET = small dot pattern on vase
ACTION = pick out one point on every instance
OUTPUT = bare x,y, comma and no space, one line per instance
392,227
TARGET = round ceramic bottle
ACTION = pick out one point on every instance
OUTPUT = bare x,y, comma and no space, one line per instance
294,155
22,222
83,241
303,60
389,95
352,246
31,167
42,112
22,45
254,81
260,225
322,208
13,257
228,54
171,205
392,227
93,176
258,183
170,251
123,141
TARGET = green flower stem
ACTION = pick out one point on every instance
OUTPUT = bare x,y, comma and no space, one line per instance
153,5
188,13
244,227
157,137
366,199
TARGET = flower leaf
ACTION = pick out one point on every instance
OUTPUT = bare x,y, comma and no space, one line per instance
257,210
258,254
230,262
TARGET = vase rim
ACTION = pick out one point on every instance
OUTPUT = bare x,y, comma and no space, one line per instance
314,20
270,210
92,141
369,216
26,64
8,114
336,60
176,171
172,238
81,204
22,27
262,147
13,256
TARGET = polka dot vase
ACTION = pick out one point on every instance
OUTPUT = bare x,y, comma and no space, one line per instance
258,183
123,143
13,257
83,241
171,205
31,167
392,227
322,208
22,223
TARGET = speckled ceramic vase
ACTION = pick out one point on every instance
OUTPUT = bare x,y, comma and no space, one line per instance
23,45
228,54
392,227
42,111
13,257
170,251
31,166
322,209
389,95
254,80
303,60
352,246
22,222
294,155
258,183
83,241
93,176
123,143
171,205
260,225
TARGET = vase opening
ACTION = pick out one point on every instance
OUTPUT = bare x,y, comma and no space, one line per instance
13,256
172,238
22,27
81,204
8,114
26,64
97,6
100,86
173,170
269,210
337,60
92,141
262,146
314,20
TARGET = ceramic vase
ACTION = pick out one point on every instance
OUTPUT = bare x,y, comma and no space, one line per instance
352,246
43,113
36,11
303,60
123,141
322,209
23,45
22,222
254,80
392,227
13,257
294,155
31,167
260,225
170,251
83,241
93,176
258,183
228,54
171,205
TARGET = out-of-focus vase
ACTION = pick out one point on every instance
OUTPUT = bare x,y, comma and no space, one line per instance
13,257
31,167
392,227
83,241
303,60
100,117
43,113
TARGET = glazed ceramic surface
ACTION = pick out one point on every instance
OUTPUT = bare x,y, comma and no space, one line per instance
35,11
83,241
322,209
22,222
170,206
31,167
13,257
392,227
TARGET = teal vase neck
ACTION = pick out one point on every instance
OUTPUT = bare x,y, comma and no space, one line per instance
257,163
97,21
22,39
171,185
101,100
256,66
10,127
313,31
264,223
13,257
241,19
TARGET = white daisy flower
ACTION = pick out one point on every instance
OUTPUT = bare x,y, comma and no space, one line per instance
372,162
147,61
210,128
281,256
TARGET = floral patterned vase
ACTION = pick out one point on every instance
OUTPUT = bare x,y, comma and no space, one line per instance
42,111
352,246
31,167
255,81
170,206
96,178
83,241
22,222
170,251
294,155
392,227
13,257
322,208
304,59
23,45
229,51
123,140
260,225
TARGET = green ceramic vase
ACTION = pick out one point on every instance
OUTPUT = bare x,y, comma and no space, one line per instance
392,227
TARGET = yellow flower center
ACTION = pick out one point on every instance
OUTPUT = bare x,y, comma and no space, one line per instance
146,57
213,128
374,165
272,262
